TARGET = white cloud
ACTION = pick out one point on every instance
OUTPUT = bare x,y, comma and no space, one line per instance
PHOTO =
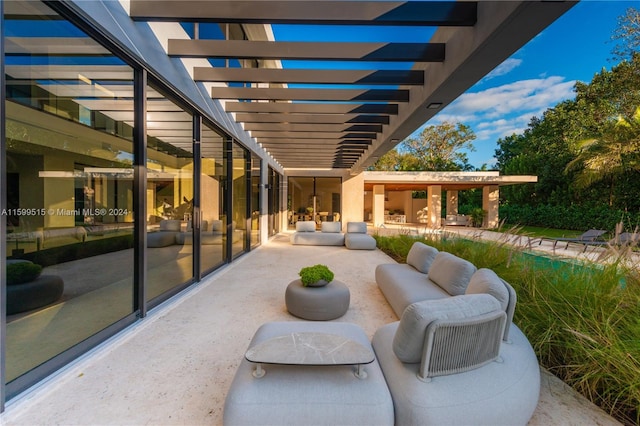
504,68
503,110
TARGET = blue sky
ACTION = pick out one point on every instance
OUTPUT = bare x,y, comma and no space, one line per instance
539,76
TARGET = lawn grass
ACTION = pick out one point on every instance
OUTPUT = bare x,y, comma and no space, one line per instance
538,231
583,321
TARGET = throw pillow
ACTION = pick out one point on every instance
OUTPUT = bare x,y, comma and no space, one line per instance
451,273
421,256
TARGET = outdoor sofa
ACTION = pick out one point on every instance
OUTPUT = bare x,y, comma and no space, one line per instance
457,220
437,287
171,232
330,234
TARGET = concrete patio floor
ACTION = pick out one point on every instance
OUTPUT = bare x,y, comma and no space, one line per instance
175,366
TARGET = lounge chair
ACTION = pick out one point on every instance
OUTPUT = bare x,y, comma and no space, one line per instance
623,239
590,236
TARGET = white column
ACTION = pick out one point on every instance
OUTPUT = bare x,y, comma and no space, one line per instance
407,203
490,197
378,205
434,205
452,202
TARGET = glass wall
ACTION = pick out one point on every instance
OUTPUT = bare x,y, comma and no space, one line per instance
69,180
256,164
317,199
274,202
169,195
213,177
239,204
71,271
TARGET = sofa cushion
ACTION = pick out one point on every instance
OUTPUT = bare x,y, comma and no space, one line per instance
305,226
358,241
403,285
421,256
357,227
451,273
486,281
170,225
331,227
408,341
216,225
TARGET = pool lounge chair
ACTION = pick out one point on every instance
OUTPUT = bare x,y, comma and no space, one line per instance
590,236
623,239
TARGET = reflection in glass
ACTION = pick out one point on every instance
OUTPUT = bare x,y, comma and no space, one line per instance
240,201
213,226
69,181
169,194
274,202
255,199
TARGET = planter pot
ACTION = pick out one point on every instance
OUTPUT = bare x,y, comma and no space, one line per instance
320,283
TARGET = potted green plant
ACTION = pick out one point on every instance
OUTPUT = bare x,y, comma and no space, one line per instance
315,276
477,216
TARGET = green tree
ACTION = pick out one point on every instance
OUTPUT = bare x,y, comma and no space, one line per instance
615,153
440,147
627,35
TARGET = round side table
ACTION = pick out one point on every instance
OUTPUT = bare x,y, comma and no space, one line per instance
317,303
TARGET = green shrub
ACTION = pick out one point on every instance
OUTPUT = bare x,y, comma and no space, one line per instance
22,272
579,218
315,273
580,317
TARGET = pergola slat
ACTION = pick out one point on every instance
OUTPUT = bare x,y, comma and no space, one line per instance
304,127
312,135
440,13
308,76
311,108
312,118
327,51
347,95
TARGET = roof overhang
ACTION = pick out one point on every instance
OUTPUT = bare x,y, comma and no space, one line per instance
449,181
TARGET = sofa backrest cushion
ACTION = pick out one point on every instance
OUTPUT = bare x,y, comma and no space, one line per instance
331,227
216,225
408,342
305,226
421,256
451,273
204,225
357,227
170,225
488,282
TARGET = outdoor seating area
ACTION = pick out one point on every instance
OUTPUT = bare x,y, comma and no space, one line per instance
194,365
455,345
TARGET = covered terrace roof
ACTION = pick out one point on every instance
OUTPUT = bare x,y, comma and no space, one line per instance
320,102
449,181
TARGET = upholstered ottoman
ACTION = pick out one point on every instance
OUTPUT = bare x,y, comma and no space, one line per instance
317,303
308,394
357,238
161,239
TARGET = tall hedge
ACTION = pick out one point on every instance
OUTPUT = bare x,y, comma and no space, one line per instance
572,217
